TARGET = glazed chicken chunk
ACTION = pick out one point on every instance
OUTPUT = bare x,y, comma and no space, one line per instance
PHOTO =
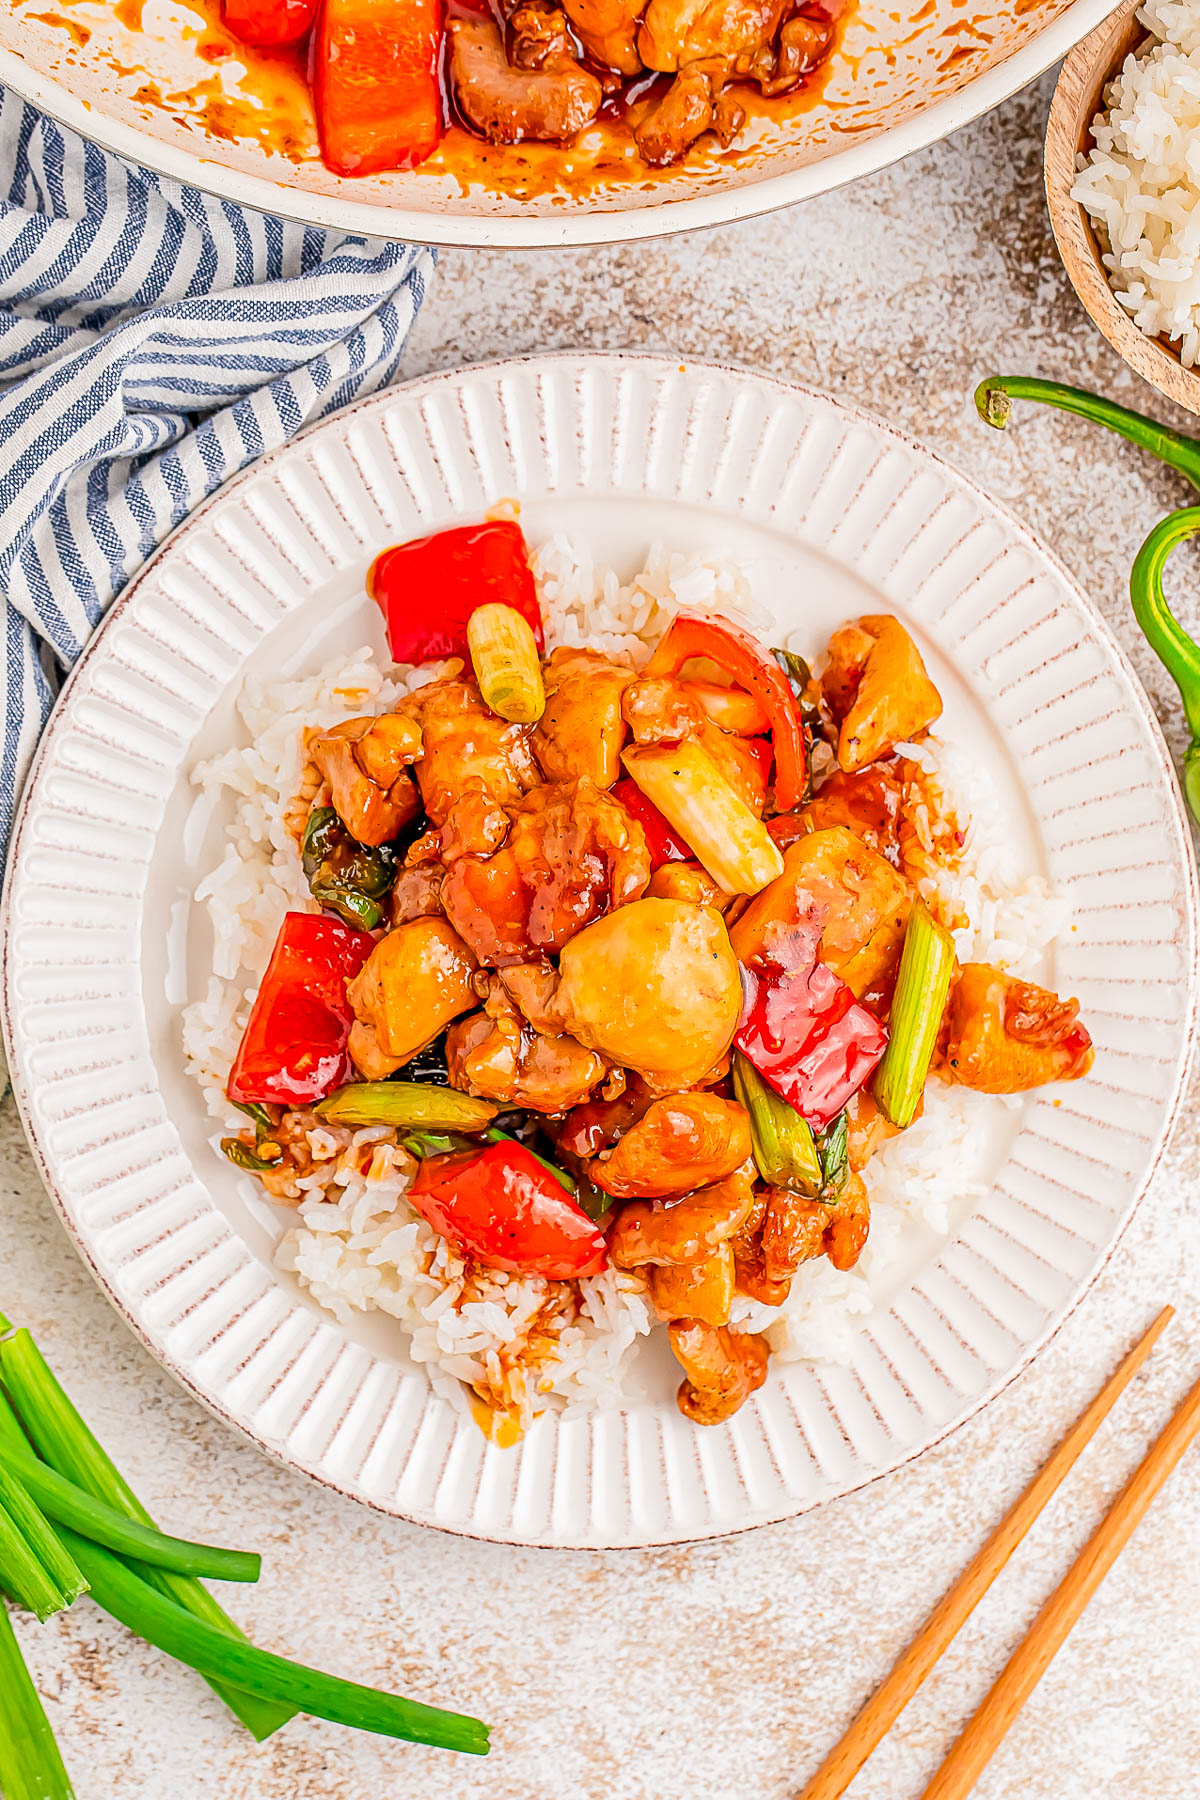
582,729
1006,1035
544,93
656,987
466,748
685,1142
877,689
722,1369
365,763
497,1055
414,982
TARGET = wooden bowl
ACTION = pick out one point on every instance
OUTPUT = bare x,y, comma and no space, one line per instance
1078,97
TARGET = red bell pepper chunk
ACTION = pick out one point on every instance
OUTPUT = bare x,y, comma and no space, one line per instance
503,1208
269,23
293,1050
809,1038
375,83
429,588
661,841
732,648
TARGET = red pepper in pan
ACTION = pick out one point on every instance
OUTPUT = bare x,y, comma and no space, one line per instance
428,589
808,1037
375,83
661,841
293,1050
271,23
503,1208
753,668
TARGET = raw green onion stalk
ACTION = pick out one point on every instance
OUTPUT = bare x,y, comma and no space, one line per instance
67,1504
30,1765
922,985
784,1147
62,1439
102,1539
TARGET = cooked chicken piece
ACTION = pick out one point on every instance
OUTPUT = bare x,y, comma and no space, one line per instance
702,1290
474,826
867,803
550,102
793,1232
1007,1035
832,879
593,1127
571,854
581,731
877,689
676,33
681,1143
531,987
414,982
850,1224
681,1231
467,749
607,29
660,710
803,43
750,1276
688,881
723,1368
416,893
497,1055
654,987
796,1230
667,131
365,762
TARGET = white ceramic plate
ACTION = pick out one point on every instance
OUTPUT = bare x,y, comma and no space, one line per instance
906,73
838,515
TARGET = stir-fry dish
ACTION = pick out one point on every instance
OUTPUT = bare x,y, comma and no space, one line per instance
614,974
389,77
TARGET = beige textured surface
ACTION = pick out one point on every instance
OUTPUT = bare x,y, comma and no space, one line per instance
720,1672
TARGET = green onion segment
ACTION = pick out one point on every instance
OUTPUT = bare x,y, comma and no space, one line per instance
30,1765
409,1105
784,1148
61,1437
922,986
61,1500
212,1653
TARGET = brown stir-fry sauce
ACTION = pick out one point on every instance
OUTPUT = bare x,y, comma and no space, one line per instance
543,943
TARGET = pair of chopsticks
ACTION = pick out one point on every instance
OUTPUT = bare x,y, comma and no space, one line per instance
1029,1661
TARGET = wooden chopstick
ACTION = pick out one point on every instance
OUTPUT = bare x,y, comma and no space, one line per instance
1034,1654
888,1702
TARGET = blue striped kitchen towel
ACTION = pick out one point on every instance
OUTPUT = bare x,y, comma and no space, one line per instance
152,342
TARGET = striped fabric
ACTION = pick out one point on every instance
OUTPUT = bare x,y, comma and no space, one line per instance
152,342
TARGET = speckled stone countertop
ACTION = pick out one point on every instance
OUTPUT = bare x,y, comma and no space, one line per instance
723,1671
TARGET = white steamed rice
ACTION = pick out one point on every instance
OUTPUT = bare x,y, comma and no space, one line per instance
355,1246
1140,183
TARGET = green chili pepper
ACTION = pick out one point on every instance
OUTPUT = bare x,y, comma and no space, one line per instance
1175,649
346,877
265,1118
994,398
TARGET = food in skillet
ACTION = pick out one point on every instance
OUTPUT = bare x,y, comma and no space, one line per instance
612,975
388,76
